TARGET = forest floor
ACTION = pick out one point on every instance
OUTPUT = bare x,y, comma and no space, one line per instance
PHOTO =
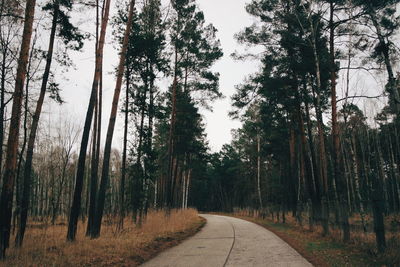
46,245
329,250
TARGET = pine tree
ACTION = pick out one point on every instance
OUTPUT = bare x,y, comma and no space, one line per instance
195,51
76,203
107,149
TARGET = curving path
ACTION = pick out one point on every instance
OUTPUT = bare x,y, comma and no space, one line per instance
227,241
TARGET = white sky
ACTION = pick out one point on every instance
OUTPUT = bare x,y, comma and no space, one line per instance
228,16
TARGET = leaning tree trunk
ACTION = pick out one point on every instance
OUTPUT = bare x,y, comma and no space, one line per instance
111,126
32,135
12,144
93,172
97,129
80,172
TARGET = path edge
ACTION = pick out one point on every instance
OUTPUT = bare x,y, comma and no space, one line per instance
314,260
159,245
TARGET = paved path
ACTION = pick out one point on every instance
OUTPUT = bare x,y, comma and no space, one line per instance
227,241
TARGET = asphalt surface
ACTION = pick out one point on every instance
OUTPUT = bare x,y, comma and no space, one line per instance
227,241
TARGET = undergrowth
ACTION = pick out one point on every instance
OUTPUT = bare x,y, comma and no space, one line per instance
330,250
46,245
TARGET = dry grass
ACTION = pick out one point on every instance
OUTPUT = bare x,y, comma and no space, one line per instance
47,246
330,250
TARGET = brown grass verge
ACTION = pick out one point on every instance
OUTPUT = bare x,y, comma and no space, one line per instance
46,245
328,250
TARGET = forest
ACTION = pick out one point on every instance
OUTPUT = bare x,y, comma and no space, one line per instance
318,146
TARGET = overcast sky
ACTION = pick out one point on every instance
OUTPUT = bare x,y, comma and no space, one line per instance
228,16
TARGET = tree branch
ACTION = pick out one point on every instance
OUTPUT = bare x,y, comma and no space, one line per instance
361,96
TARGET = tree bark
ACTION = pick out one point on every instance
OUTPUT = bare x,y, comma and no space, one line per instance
93,172
356,167
378,204
19,186
259,170
321,136
96,140
395,175
124,152
111,126
32,135
169,190
2,99
338,161
76,202
140,175
13,139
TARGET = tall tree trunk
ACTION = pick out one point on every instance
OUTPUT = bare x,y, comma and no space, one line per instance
312,180
189,176
150,152
305,163
338,161
111,126
124,151
96,140
323,174
140,175
149,159
396,196
93,172
294,168
171,140
171,143
80,172
2,104
378,202
259,170
13,137
19,186
184,179
356,167
32,135
317,179
381,171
